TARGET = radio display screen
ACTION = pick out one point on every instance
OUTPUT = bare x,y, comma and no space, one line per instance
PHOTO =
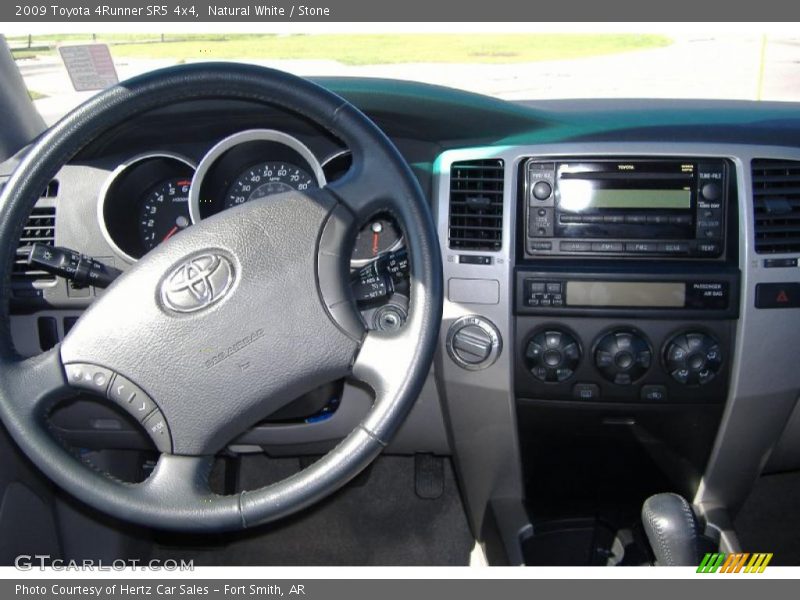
641,185
626,294
581,198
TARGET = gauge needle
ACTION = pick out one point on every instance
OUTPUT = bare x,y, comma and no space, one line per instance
170,233
376,237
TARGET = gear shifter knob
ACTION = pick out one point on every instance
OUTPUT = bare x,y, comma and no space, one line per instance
672,529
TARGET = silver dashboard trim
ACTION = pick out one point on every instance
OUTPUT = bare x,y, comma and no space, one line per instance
121,168
762,393
243,137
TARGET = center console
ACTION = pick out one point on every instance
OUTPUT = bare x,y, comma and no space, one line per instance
589,333
626,282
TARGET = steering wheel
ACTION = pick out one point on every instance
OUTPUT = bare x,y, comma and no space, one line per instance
232,319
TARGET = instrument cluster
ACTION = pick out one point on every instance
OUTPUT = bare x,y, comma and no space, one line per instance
153,197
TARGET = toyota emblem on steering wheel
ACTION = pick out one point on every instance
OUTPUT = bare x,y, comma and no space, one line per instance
197,283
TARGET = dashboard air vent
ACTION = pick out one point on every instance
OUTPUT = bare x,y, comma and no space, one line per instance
476,205
776,205
40,227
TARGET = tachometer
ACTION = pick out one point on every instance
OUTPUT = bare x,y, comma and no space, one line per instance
266,179
164,212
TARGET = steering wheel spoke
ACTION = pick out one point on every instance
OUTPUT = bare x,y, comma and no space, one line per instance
34,384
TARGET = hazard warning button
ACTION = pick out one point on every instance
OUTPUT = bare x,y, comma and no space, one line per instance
778,295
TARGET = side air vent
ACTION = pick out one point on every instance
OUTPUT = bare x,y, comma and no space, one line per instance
476,205
40,227
776,205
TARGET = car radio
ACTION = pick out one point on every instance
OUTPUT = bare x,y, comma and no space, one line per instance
631,207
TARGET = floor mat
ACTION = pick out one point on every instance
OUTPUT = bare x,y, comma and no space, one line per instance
377,519
770,518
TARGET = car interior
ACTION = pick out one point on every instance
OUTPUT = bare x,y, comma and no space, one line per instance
255,319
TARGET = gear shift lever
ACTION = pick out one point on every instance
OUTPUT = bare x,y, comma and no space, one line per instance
672,530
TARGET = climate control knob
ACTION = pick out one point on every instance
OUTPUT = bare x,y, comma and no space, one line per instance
693,358
473,343
552,355
622,356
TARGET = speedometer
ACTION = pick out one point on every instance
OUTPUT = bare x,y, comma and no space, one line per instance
266,179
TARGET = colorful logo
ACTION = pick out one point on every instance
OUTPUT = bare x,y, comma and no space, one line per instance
734,563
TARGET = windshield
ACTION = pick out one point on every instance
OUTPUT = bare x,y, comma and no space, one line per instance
509,66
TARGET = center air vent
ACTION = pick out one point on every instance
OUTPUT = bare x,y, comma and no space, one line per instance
776,205
476,205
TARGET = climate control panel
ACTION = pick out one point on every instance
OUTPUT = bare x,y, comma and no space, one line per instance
693,358
595,359
623,356
552,355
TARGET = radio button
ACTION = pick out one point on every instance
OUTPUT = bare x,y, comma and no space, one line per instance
537,287
614,219
570,218
606,246
542,190
636,219
708,248
674,248
592,219
641,247
657,219
711,191
575,246
553,287
536,246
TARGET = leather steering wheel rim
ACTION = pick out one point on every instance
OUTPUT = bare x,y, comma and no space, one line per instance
176,496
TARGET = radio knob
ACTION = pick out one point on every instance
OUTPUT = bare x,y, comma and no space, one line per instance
552,355
622,356
711,191
693,358
473,343
542,190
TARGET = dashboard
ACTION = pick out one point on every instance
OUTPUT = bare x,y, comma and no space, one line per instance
620,279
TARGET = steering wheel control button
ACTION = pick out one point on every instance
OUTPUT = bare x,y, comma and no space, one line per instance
88,377
654,393
623,356
473,343
552,355
693,358
157,429
131,398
